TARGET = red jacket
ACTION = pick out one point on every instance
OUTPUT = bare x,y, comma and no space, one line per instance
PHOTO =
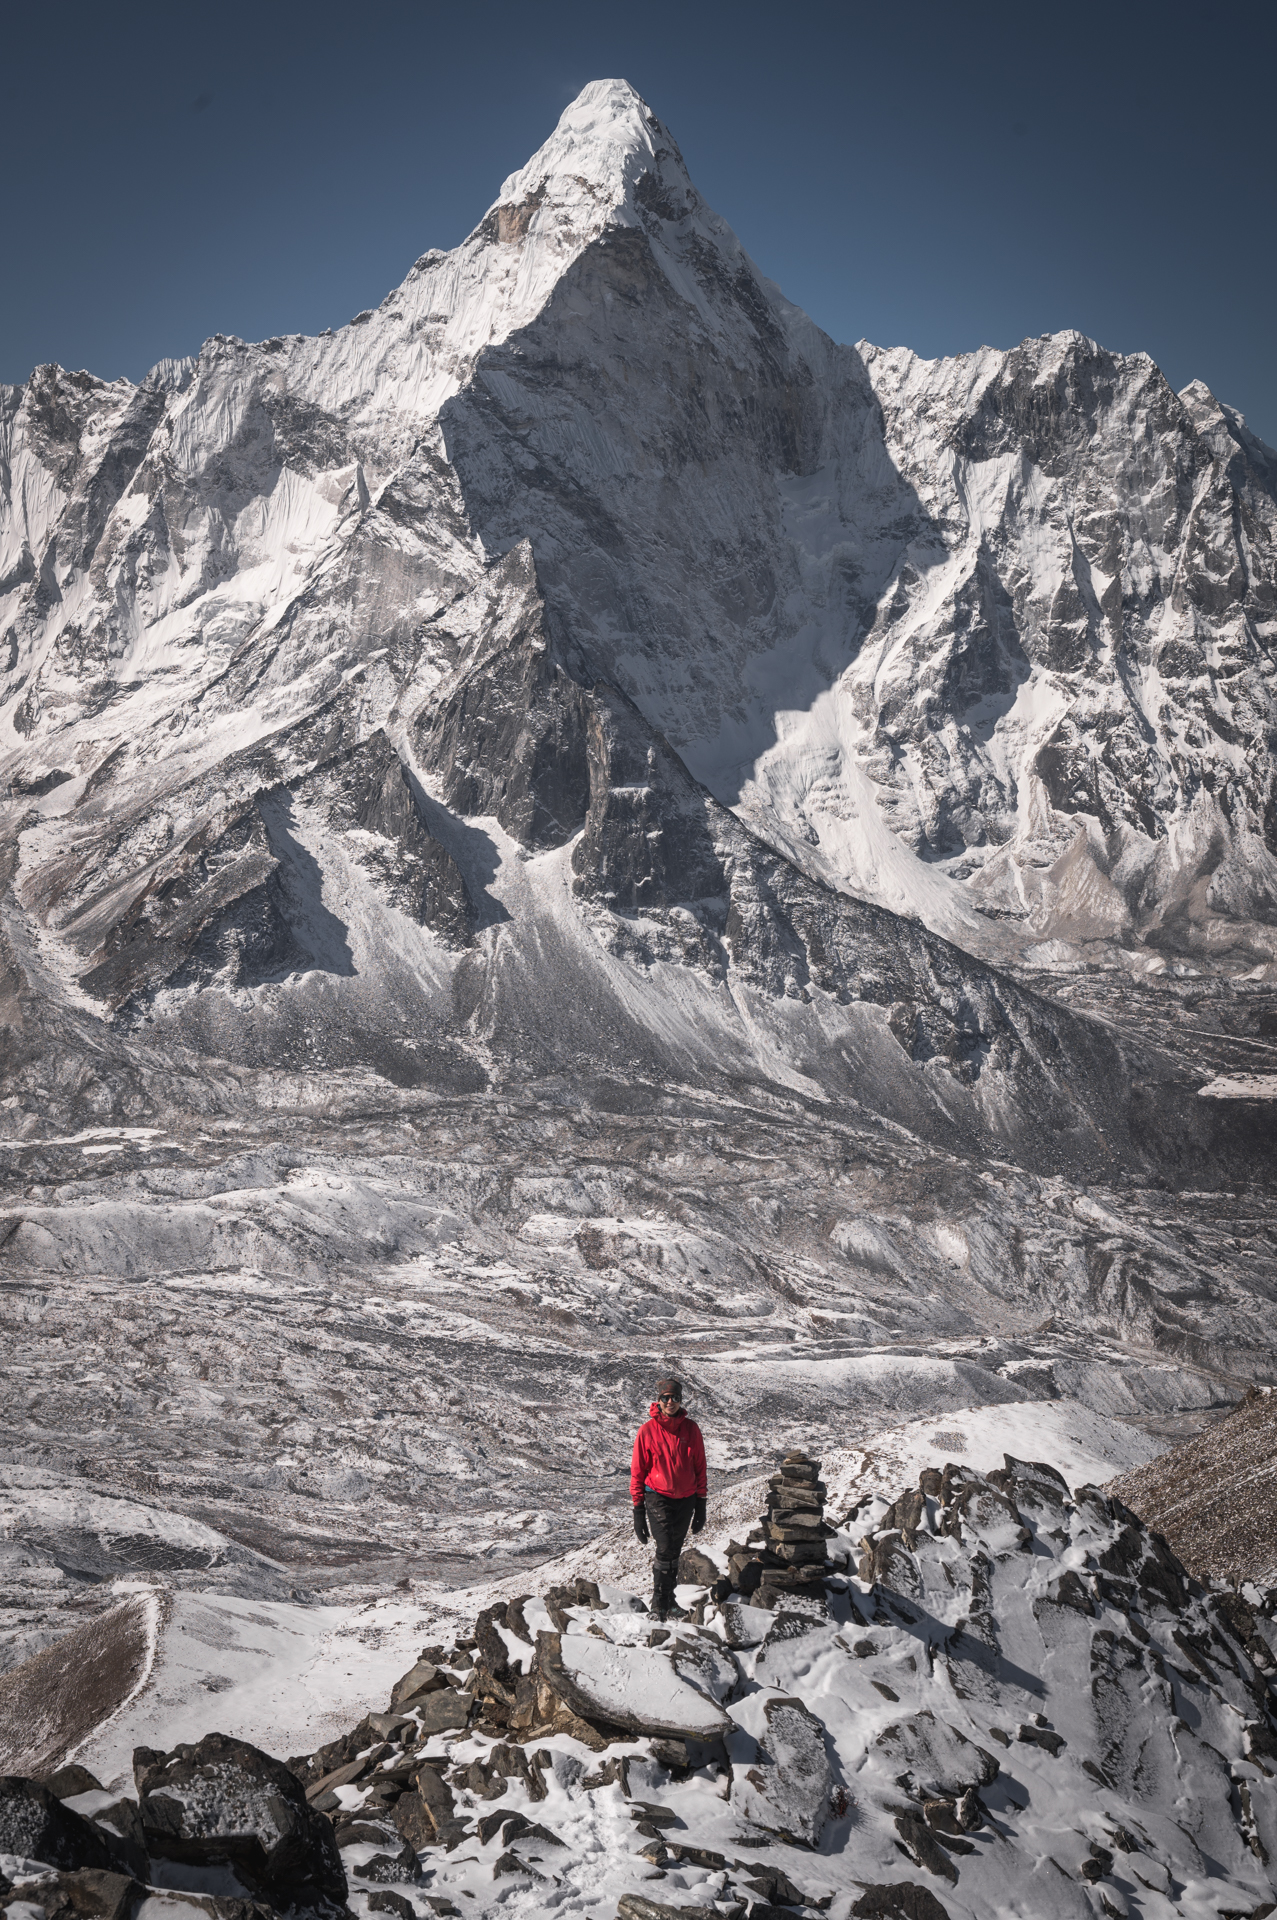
669,1457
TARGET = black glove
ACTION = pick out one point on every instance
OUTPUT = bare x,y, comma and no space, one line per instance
698,1513
640,1522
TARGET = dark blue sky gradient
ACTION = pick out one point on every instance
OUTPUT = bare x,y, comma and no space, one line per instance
940,176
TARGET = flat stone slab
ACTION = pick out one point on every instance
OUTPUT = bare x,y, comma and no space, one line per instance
439,1712
632,1687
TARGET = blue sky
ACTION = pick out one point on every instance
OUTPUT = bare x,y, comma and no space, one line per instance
940,176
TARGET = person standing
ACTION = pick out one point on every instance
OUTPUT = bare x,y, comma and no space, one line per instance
667,1489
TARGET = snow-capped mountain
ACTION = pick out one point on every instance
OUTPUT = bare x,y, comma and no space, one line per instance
980,637
283,623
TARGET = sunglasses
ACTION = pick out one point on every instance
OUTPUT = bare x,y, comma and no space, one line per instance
667,1396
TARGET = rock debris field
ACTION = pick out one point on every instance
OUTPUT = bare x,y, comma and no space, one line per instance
1001,1697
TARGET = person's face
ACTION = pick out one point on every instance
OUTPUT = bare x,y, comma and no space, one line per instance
667,1402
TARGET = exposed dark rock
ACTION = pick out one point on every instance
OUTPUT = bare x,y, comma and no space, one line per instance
355,1832
1044,1737
123,1819
223,1802
369,789
70,1780
437,1712
923,1849
789,1793
508,737
424,1678
429,1815
89,1894
34,1824
413,1820
773,1883
899,1900
507,1863
383,1901
934,1757
391,1869
636,1906
36,785
613,1773
696,1569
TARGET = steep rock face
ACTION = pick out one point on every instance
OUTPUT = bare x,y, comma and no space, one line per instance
669,877
1071,705
212,888
506,734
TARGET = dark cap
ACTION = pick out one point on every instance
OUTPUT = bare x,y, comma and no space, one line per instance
668,1384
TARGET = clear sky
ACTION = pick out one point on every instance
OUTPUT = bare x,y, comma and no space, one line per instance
937,175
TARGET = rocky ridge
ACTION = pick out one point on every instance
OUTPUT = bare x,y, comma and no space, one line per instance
1017,1687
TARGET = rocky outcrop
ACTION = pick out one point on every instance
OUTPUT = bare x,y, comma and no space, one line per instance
34,1825
234,899
369,799
224,1803
1022,1699
506,734
635,1688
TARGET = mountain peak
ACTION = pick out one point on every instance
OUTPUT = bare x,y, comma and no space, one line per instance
604,144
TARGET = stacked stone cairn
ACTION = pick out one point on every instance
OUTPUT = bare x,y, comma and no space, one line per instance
794,1559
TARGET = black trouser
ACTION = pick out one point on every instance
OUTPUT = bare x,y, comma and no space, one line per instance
669,1520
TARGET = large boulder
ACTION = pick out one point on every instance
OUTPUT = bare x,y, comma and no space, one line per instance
635,1688
422,1679
222,1802
788,1792
35,1825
